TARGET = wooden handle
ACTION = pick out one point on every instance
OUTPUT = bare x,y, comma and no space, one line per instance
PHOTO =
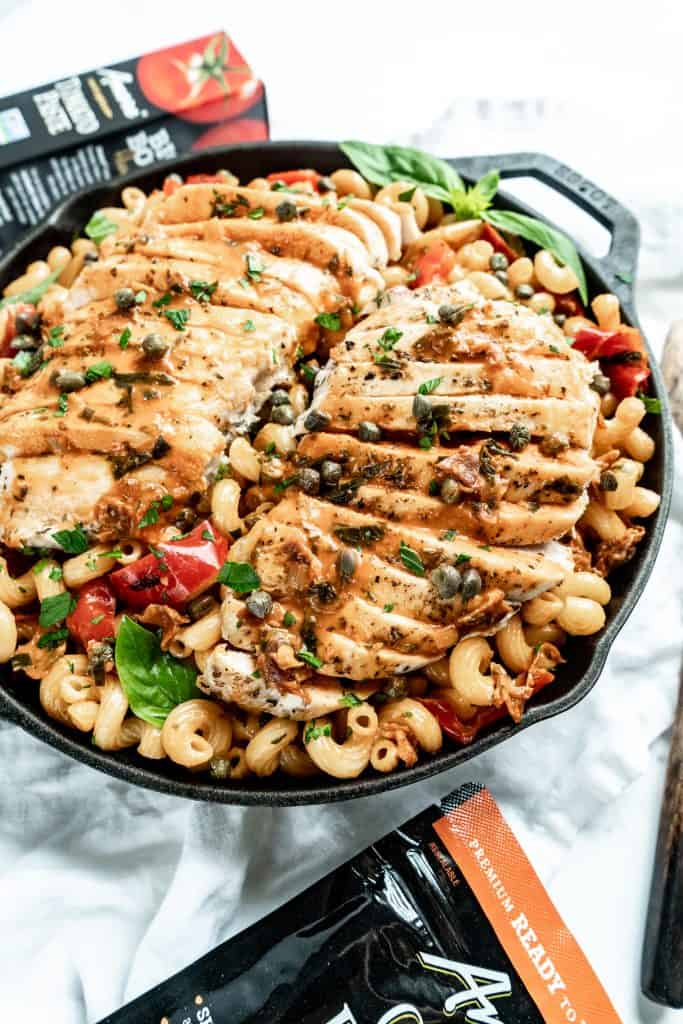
662,969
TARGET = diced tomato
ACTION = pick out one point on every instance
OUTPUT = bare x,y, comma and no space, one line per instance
10,329
489,234
434,264
294,177
464,732
622,356
93,616
569,305
179,571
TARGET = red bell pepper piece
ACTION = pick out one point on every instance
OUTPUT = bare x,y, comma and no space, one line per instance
494,238
94,614
622,357
171,184
569,305
434,264
179,570
295,177
465,732
10,332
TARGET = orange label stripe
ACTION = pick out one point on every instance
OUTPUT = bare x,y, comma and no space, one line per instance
544,952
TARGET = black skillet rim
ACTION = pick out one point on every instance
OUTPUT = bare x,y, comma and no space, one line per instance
611,273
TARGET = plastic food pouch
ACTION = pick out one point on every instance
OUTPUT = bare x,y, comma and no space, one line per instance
89,128
443,919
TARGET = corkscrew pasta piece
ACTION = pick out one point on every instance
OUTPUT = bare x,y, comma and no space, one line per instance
244,459
584,584
581,616
232,766
643,504
96,561
202,635
489,286
639,445
625,473
48,579
18,591
438,672
417,719
542,609
390,194
295,761
554,278
476,255
547,633
50,692
520,271
350,183
512,646
225,500
348,759
384,756
613,433
607,313
263,751
603,521
472,688
195,732
8,633
109,732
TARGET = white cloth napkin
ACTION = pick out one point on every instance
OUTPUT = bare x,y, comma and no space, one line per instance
106,889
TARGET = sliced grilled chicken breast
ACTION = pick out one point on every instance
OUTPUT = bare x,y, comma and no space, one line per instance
482,460
147,394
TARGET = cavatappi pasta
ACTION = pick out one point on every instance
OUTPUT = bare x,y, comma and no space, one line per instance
82,611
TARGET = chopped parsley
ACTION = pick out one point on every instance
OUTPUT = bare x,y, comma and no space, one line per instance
428,386
314,732
178,317
151,516
450,534
165,300
62,405
100,227
248,326
256,213
54,638
652,405
405,197
411,559
254,266
97,619
431,319
75,541
124,338
240,577
207,535
99,371
55,338
330,321
202,290
350,700
55,609
289,619
309,657
462,558
389,607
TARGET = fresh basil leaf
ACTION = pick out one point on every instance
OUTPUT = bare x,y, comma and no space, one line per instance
428,386
384,164
544,236
35,294
239,576
100,227
55,609
153,680
473,202
309,657
75,541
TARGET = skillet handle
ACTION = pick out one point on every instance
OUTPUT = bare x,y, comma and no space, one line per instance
622,258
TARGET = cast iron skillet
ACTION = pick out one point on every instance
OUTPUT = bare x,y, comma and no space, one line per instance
19,697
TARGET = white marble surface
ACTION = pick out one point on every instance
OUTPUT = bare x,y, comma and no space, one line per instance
592,86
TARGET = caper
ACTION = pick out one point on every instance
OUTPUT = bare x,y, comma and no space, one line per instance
219,767
601,384
422,407
330,471
519,437
447,581
471,584
316,420
553,444
124,298
27,323
560,318
286,210
154,346
282,414
100,654
326,185
608,481
502,276
279,397
369,432
450,491
199,606
309,480
23,343
347,562
499,261
259,604
524,291
68,380
449,314
91,256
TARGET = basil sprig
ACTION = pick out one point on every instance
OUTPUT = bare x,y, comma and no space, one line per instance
383,165
153,680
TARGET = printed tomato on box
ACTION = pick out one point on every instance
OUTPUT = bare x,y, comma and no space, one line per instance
202,81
